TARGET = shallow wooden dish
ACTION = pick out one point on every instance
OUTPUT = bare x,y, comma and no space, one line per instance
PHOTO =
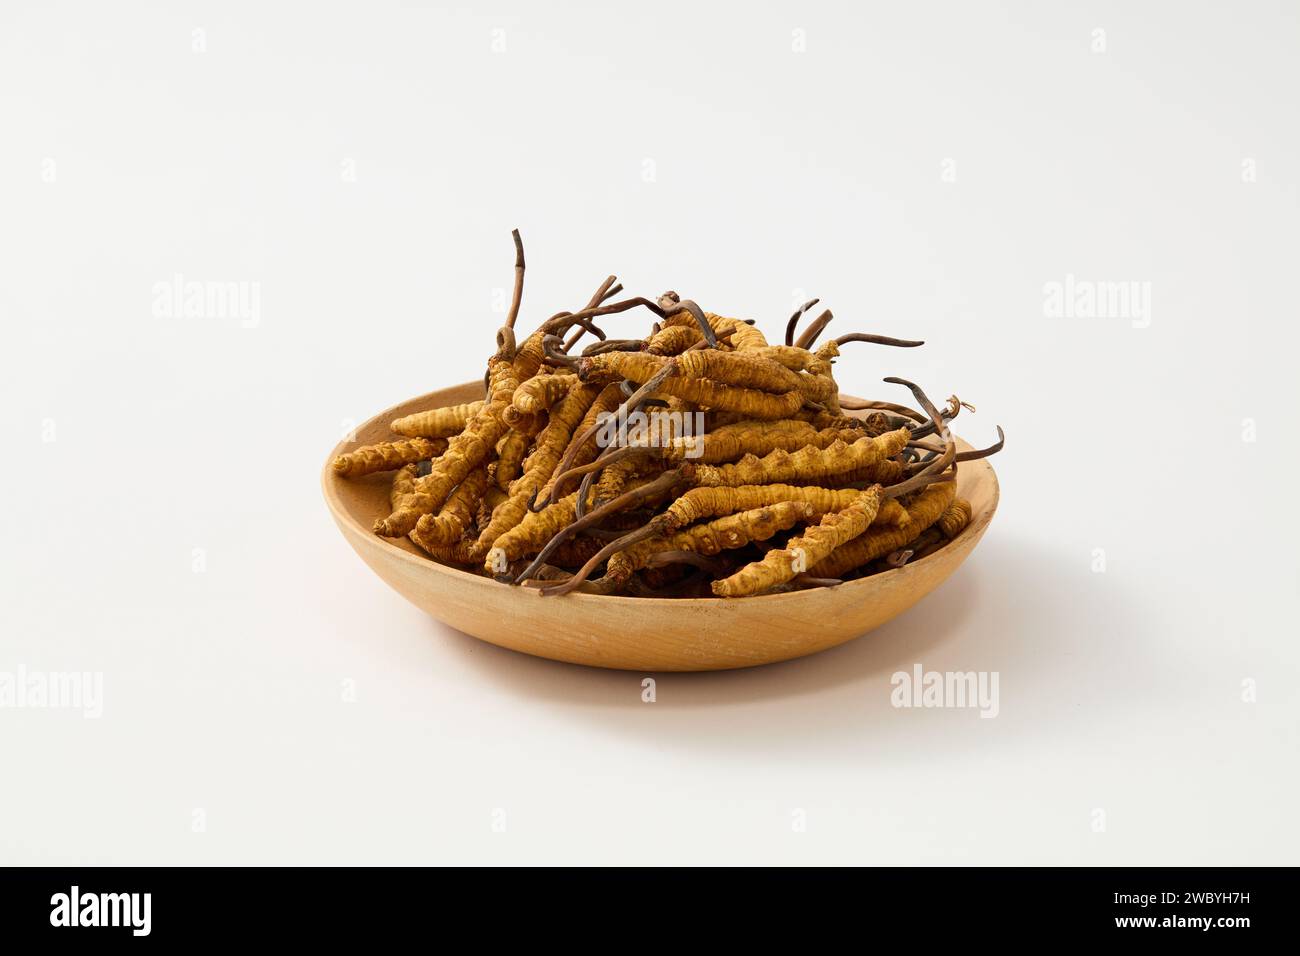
641,634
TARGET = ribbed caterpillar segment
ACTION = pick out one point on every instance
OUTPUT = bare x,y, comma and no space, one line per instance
741,369
954,520
793,358
455,553
387,456
403,484
808,464
539,393
803,552
743,335
436,422
674,340
751,402
925,509
510,457
730,442
700,504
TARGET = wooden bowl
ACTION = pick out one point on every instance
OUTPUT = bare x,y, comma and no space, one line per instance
639,634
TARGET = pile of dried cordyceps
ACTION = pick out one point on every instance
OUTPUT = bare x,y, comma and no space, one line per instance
698,461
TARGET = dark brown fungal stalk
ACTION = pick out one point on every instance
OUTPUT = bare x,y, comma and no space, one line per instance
862,405
808,581
711,564
984,452
517,297
878,340
810,335
925,477
584,495
899,558
554,353
607,289
614,345
793,323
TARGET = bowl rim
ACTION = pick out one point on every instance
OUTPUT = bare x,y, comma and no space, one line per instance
330,480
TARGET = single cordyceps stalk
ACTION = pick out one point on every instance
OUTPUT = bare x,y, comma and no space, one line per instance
925,509
518,297
809,464
450,524
794,320
721,445
387,456
781,565
699,504
465,452
436,422
728,390
752,402
723,534
741,369
730,442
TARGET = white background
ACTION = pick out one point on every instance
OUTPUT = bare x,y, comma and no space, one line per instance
924,168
